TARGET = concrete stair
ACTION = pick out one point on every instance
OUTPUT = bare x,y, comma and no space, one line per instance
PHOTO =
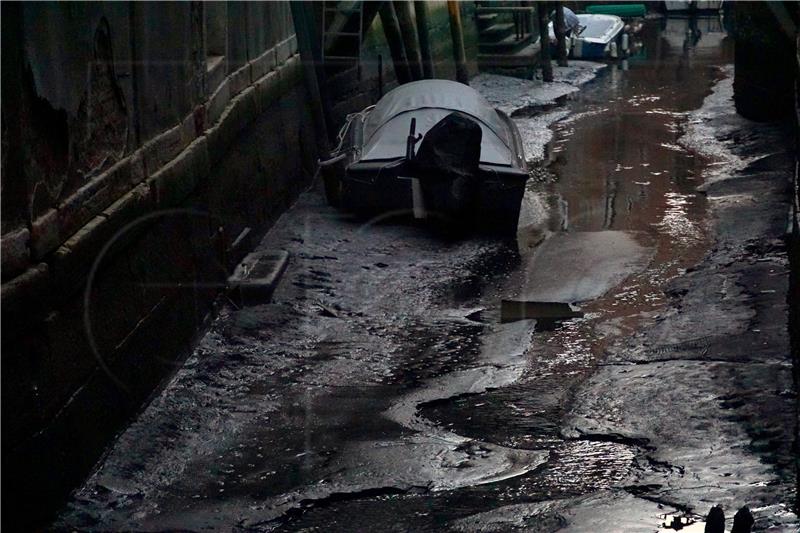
526,56
505,39
509,45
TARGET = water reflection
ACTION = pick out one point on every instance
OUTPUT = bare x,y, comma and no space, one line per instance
619,163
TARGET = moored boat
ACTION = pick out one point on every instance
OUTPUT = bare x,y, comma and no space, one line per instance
596,37
434,148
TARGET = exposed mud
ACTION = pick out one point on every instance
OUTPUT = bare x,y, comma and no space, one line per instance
379,390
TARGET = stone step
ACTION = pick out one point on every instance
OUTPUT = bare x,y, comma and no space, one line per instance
526,57
484,20
509,45
496,32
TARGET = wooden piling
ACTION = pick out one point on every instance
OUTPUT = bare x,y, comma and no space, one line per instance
408,30
544,54
304,29
391,28
421,12
560,29
457,33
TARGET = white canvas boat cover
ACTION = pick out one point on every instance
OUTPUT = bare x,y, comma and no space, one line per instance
429,101
600,29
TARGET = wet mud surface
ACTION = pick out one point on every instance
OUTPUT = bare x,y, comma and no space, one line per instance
380,391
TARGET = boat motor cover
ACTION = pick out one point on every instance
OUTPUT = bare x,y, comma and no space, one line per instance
428,102
450,149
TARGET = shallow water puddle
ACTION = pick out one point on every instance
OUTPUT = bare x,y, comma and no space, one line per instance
627,218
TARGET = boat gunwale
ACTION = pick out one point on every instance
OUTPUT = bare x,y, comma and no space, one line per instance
618,25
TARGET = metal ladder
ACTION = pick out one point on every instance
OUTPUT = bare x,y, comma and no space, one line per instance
341,13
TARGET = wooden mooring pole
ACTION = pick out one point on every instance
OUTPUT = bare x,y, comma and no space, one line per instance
391,28
320,112
421,12
560,29
457,33
544,40
409,32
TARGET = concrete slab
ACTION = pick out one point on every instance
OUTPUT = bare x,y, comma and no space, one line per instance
256,277
581,266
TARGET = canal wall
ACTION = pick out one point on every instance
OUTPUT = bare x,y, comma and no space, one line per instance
139,142
765,59
145,148
794,269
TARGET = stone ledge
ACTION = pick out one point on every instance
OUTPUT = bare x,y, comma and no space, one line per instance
237,116
291,73
268,90
263,64
285,49
15,252
25,291
239,80
45,235
72,260
85,221
176,181
98,194
163,148
215,106
223,116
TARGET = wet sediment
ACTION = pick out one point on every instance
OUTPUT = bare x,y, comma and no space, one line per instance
379,389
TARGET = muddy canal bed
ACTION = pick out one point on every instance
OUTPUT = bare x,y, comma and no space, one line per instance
380,391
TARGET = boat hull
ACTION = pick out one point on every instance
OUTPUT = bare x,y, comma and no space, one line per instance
586,50
490,203
464,166
598,37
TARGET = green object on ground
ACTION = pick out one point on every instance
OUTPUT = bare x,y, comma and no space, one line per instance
620,10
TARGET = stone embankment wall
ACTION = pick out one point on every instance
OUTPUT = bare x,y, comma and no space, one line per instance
139,141
794,261
145,148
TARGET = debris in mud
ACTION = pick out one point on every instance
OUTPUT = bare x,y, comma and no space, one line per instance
256,277
326,311
513,310
678,523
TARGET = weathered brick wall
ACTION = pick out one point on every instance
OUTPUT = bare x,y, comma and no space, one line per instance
764,76
118,128
139,140
794,262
